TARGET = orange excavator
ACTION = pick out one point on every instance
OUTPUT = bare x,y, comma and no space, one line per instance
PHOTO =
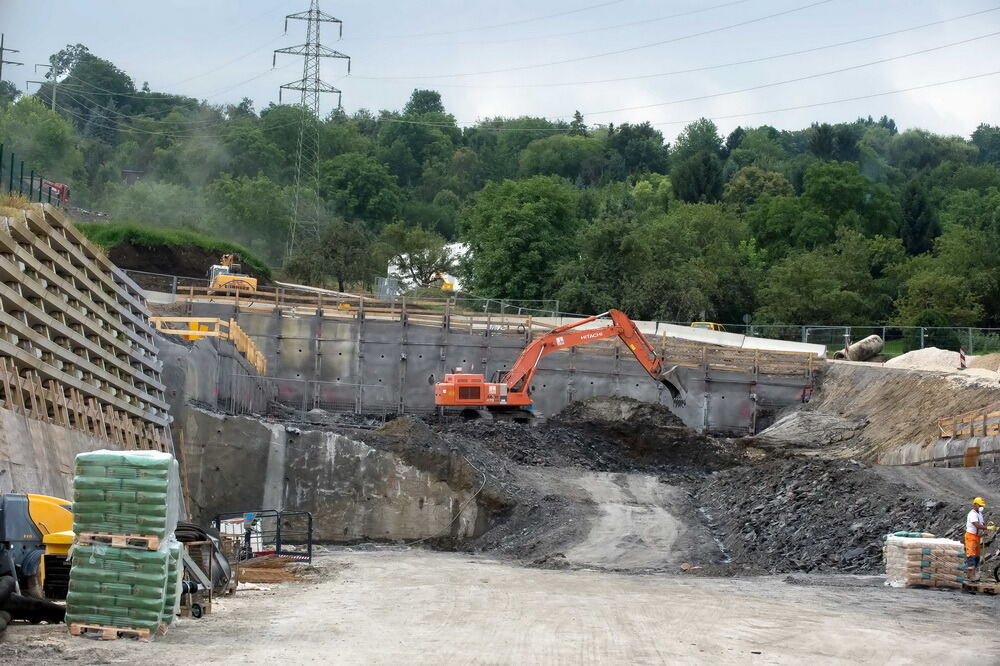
512,394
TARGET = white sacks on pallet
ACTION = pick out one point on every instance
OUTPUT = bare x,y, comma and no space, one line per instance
924,562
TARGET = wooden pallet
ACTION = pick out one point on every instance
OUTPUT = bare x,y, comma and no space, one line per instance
108,633
137,541
982,586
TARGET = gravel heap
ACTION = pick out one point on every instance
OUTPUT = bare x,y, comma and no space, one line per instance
817,516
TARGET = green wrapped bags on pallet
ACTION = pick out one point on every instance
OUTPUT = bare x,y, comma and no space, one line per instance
126,492
116,494
124,587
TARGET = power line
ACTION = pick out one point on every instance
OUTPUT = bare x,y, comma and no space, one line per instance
795,80
602,29
836,101
615,52
707,68
495,25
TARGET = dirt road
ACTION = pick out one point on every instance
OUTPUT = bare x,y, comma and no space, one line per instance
635,522
417,607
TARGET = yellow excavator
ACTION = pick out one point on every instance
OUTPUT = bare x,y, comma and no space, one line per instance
226,275
36,533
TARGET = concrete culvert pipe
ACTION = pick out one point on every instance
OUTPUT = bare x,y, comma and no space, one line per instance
862,350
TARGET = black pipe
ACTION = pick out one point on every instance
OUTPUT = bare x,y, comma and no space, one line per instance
6,588
34,610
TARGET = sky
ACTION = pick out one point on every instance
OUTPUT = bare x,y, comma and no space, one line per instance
613,60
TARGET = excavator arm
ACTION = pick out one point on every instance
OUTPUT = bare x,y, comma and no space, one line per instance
569,335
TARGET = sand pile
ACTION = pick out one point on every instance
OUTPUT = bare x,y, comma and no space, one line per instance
980,368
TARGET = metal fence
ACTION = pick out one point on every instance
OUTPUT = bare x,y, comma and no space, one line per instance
18,178
164,283
898,339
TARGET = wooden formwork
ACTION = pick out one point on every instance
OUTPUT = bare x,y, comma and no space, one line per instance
983,422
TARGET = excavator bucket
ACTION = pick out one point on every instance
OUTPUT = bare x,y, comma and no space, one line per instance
672,380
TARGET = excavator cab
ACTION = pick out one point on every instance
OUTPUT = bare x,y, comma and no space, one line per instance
226,275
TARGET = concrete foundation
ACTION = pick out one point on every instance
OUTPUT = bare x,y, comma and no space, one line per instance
354,491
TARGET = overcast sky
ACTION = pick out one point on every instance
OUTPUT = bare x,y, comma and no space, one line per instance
550,53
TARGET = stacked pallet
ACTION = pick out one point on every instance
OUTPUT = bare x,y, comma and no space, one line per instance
924,562
126,567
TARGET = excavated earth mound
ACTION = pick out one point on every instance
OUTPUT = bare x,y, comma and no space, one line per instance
599,486
818,515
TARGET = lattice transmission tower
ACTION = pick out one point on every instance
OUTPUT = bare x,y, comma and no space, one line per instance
306,215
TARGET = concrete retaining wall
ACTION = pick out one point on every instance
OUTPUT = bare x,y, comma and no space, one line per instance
390,367
355,492
37,457
208,371
946,452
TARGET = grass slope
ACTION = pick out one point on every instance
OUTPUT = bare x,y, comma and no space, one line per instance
116,234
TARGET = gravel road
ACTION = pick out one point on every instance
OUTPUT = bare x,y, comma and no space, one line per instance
418,607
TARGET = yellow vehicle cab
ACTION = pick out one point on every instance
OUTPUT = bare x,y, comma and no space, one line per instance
710,325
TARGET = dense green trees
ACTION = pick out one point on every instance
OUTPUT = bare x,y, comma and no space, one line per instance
834,223
518,232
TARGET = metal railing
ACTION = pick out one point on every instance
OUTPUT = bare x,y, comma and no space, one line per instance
286,534
31,185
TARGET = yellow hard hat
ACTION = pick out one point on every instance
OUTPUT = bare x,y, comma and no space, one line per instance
979,501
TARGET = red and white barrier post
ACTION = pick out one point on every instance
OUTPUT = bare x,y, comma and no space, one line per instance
961,359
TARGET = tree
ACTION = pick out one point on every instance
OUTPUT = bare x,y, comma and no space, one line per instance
835,188
810,288
414,254
517,232
255,210
920,226
43,139
698,179
8,93
577,158
342,254
637,149
734,140
939,298
987,139
701,136
360,188
918,149
751,183
577,127
783,223
423,101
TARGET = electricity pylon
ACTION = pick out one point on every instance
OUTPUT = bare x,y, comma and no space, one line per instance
307,216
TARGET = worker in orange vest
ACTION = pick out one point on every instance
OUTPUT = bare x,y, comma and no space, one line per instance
975,528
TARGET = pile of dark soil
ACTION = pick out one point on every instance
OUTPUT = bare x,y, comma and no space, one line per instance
601,435
817,515
181,260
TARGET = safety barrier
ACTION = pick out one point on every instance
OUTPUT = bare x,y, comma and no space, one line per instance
193,328
983,422
443,315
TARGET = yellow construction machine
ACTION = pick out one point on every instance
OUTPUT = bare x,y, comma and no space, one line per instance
36,532
226,275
